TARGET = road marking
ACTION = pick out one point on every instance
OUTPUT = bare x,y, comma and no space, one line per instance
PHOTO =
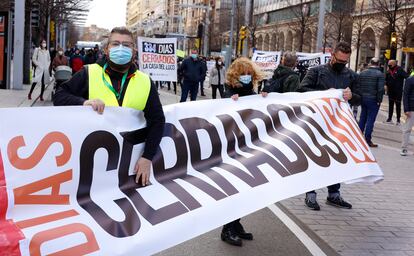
312,247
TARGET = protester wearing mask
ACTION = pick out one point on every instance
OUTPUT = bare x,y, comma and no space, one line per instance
242,79
115,81
334,75
41,63
192,71
394,81
60,59
217,76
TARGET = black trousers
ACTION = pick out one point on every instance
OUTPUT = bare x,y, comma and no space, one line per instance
394,98
42,88
231,225
331,189
214,88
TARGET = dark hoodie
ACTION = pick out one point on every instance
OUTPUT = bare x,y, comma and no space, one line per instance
287,78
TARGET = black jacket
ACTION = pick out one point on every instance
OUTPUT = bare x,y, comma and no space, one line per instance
288,78
241,91
192,70
323,77
371,82
76,92
395,82
408,95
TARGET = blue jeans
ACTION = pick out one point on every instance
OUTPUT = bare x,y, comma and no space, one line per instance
369,111
189,87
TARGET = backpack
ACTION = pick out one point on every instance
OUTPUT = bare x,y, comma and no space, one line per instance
276,84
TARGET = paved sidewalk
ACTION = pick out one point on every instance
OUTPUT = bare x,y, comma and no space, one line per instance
18,98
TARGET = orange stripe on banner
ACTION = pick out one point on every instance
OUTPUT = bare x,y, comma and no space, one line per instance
10,234
341,137
45,219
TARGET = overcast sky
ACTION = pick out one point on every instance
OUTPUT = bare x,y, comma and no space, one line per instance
107,13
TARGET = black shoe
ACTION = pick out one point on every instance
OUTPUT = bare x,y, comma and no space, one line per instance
203,94
372,145
229,236
338,201
310,201
241,232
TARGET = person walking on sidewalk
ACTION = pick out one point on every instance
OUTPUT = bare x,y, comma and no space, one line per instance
394,81
242,79
192,71
115,81
408,100
217,77
41,63
371,83
76,61
60,59
333,75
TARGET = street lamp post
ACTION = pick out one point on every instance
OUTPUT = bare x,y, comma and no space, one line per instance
18,45
321,22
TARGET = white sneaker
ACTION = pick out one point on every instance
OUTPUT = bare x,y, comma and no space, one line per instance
403,152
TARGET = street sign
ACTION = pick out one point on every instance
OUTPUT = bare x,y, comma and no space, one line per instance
408,49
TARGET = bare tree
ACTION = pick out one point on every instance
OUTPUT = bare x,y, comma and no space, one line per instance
302,19
360,23
340,20
389,10
406,15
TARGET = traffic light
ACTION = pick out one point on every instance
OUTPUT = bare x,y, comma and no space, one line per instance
200,30
394,39
242,32
393,44
387,54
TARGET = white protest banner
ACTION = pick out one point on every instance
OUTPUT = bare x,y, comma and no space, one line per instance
67,185
266,61
157,58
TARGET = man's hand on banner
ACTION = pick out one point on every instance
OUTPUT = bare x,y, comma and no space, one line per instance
347,94
142,167
97,105
264,94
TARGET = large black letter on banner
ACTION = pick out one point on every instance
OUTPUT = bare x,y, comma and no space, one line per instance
95,141
129,187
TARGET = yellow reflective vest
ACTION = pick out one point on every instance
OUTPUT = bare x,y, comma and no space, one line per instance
136,94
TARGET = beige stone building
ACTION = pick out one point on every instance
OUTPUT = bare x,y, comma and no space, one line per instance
375,32
292,24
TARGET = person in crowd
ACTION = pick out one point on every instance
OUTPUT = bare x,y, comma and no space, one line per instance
192,71
82,52
408,101
41,63
179,74
371,82
76,61
284,78
217,78
203,75
89,57
60,59
394,83
115,81
241,80
333,75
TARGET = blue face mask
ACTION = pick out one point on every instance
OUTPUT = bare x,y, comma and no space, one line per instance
194,56
120,55
245,79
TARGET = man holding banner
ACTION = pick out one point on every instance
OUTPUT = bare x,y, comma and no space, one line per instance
333,75
115,81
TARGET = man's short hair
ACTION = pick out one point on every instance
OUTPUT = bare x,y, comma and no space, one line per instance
289,59
374,62
342,47
121,31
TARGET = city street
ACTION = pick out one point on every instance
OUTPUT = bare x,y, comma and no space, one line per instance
380,222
